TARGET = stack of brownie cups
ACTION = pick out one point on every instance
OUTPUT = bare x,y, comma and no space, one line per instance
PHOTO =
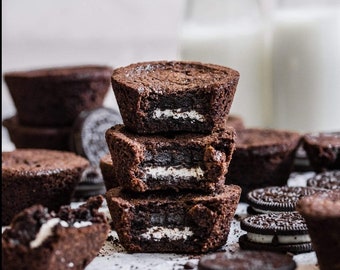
167,192
51,104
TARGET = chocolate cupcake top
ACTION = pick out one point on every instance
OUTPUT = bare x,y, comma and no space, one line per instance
69,73
256,138
172,76
321,205
40,162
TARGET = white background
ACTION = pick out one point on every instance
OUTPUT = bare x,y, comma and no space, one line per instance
40,33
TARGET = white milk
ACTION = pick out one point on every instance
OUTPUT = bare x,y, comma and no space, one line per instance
236,42
306,69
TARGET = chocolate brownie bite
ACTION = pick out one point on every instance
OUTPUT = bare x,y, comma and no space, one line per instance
279,232
55,138
172,222
107,171
327,180
247,259
38,176
174,161
163,96
322,214
55,96
323,150
277,198
262,158
42,240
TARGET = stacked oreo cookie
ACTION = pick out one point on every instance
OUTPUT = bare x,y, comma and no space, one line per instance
170,157
273,223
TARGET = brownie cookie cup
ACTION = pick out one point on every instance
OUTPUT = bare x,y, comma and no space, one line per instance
276,199
106,169
278,232
247,259
322,214
38,176
163,96
323,150
327,180
172,222
173,161
42,240
54,138
262,158
55,96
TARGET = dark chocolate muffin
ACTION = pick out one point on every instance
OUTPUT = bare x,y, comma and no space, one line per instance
55,138
164,96
263,157
42,240
172,222
321,212
174,161
55,96
323,150
38,176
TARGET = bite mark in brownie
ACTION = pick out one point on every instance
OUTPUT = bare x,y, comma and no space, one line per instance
176,161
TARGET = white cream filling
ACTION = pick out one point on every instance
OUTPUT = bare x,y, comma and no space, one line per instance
156,233
176,114
46,230
282,239
159,172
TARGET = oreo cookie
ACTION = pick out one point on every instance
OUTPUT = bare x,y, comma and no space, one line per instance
254,260
327,180
276,198
279,232
88,135
88,140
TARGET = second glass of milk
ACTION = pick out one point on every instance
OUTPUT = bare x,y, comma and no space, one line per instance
306,65
231,33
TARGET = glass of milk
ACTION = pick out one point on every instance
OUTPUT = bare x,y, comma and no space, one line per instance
231,33
306,65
